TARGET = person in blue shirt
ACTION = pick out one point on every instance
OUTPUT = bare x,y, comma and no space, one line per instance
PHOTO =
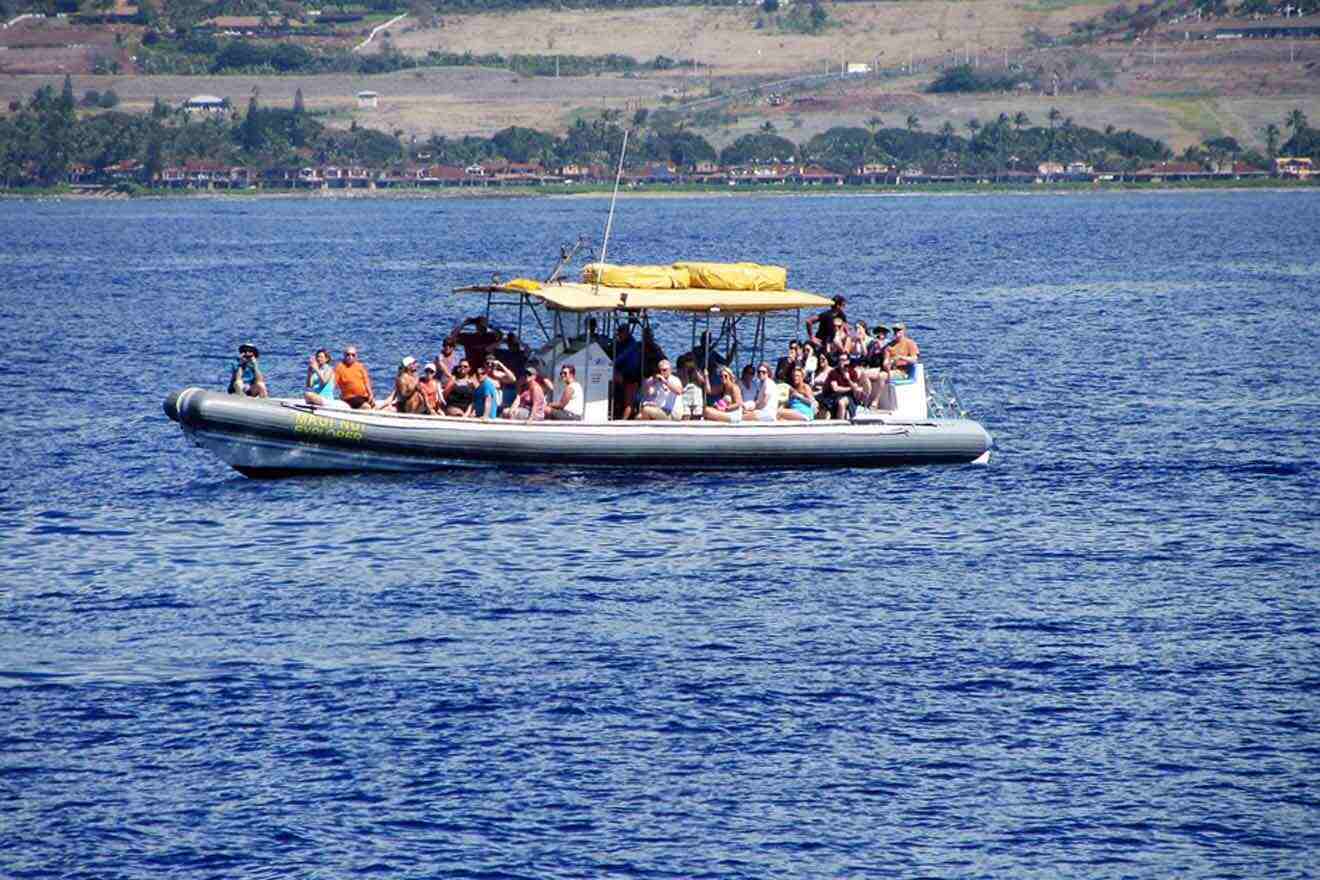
486,399
246,377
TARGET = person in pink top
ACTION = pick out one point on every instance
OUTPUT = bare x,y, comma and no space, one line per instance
531,399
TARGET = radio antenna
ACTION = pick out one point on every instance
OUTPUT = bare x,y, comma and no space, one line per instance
609,221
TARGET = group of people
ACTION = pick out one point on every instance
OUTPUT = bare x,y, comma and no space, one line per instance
839,367
494,377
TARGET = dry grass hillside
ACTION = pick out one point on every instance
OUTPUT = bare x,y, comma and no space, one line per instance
1179,89
728,38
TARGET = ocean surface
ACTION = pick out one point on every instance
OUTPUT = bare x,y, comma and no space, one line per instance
1096,657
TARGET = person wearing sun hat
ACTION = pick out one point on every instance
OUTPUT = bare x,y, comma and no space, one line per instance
246,377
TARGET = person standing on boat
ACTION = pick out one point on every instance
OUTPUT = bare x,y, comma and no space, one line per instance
477,342
246,378
660,395
825,326
353,381
571,405
627,371
903,351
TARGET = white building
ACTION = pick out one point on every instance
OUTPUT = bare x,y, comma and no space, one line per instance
205,105
368,100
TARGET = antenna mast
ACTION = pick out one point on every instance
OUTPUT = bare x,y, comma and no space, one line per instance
609,221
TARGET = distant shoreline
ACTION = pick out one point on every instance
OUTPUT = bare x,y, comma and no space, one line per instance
672,191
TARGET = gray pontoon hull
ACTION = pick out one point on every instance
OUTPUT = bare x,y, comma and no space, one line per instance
281,438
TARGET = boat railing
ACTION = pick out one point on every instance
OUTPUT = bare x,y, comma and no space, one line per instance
943,400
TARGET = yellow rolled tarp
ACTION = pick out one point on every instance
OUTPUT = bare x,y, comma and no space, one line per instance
636,277
735,276
527,284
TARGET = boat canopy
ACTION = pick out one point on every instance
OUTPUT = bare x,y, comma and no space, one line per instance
575,297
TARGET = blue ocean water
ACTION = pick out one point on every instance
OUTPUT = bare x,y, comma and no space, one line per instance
1095,657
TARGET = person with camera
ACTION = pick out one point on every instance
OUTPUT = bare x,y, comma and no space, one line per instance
246,377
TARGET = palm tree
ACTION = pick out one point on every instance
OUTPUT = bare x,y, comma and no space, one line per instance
913,123
1054,116
1021,120
874,123
973,126
1297,121
946,135
1272,140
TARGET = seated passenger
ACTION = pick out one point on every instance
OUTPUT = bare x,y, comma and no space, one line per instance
246,378
530,405
572,403
810,360
874,373
320,387
447,360
428,397
784,367
504,380
660,395
405,387
727,405
843,389
801,405
903,352
486,397
748,385
458,391
693,401
353,381
765,405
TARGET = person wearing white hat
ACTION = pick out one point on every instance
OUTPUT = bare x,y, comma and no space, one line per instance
405,387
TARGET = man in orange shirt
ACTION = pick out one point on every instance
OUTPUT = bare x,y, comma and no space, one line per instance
353,381
902,353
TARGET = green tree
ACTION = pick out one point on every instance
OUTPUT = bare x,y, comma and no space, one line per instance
1272,140
1296,119
298,101
251,138
913,123
1021,120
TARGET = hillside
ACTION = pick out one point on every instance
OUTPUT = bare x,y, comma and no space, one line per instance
1154,75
